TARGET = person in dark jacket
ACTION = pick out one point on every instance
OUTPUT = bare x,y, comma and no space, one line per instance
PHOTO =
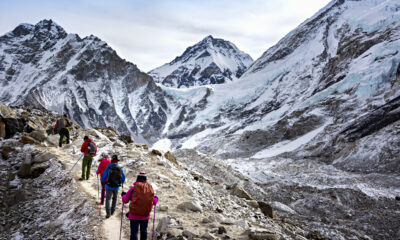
61,127
112,185
88,157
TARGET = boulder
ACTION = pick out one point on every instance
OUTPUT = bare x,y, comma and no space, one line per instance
208,236
7,112
221,230
163,225
163,208
240,192
118,144
25,170
37,169
2,129
256,234
156,152
36,123
253,203
188,234
27,140
43,157
227,221
174,233
53,139
266,209
126,138
39,135
5,151
190,206
170,157
13,125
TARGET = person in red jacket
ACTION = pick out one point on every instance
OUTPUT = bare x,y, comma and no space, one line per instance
89,150
104,161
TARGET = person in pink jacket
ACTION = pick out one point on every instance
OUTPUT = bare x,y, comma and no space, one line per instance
104,161
141,220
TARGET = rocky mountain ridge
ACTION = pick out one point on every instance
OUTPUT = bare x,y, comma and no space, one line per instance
210,61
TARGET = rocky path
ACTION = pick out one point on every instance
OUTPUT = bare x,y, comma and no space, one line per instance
110,227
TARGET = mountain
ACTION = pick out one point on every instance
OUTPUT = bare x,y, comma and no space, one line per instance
43,66
315,121
211,61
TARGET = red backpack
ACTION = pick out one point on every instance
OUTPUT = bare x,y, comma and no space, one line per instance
142,200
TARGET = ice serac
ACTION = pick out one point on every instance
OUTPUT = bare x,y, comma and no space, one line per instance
43,66
211,61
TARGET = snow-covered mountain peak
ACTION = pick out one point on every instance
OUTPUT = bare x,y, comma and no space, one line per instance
210,61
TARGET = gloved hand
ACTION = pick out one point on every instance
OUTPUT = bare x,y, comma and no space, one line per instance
123,193
156,197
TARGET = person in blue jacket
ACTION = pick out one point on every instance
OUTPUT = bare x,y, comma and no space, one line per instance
113,177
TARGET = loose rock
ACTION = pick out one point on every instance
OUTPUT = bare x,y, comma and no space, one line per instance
191,206
27,140
171,157
240,192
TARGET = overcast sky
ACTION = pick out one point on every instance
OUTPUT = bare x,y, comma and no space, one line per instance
150,33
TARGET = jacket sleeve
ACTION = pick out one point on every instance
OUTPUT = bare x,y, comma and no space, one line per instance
105,175
123,176
84,146
99,167
127,196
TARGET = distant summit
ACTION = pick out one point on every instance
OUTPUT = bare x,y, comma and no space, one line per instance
211,61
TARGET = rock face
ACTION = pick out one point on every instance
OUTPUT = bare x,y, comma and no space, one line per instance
78,72
211,61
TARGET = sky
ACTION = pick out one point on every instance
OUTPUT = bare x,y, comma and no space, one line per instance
150,33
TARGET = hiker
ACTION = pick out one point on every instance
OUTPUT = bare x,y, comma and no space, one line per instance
89,150
104,161
142,198
61,127
113,177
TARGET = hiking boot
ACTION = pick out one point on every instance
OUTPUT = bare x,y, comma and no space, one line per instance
81,179
112,212
108,215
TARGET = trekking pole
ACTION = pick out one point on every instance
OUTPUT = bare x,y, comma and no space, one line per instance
76,163
98,194
154,220
122,214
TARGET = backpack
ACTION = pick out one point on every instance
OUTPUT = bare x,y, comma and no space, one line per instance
92,148
61,125
114,177
142,201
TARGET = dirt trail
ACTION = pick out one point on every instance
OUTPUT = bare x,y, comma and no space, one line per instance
110,227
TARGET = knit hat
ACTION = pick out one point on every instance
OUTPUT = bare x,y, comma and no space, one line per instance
114,158
142,173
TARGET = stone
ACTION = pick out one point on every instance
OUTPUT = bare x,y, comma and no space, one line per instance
2,129
188,234
53,139
227,221
43,157
191,206
253,203
240,192
27,140
25,170
118,144
126,138
156,152
266,209
36,123
163,225
163,208
398,198
168,155
208,236
241,223
174,232
221,230
5,151
37,169
38,135
13,125
262,235
7,112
